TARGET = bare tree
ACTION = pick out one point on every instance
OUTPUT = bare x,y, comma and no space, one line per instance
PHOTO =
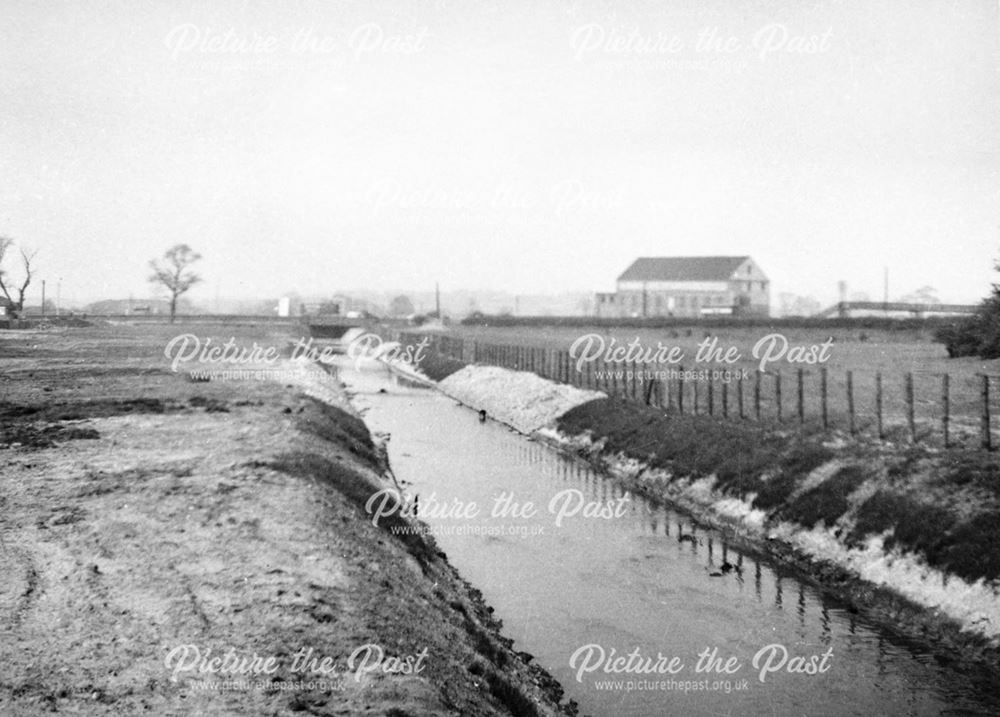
6,243
175,273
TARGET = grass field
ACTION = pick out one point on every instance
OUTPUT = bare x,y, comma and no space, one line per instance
865,353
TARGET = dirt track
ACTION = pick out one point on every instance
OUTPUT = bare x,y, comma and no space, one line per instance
141,513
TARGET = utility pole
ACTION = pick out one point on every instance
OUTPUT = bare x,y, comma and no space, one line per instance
43,297
437,300
885,288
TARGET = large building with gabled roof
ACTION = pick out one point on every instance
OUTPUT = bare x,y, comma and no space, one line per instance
689,286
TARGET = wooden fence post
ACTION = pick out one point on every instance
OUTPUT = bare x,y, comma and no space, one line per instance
850,401
739,396
694,400
711,397
822,395
777,392
945,407
725,400
985,418
801,397
878,404
910,411
756,395
680,389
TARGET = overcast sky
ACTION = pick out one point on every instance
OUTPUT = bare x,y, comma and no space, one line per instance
527,146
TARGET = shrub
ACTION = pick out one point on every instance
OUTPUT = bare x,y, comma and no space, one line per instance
978,335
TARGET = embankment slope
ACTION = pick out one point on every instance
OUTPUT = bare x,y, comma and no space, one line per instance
142,514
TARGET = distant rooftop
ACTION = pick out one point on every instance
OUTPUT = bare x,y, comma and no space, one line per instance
682,268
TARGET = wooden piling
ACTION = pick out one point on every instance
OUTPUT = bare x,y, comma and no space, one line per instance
823,398
777,392
910,409
756,395
945,407
800,377
739,395
878,405
850,401
987,442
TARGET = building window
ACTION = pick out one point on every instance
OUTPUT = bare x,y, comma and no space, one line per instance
763,286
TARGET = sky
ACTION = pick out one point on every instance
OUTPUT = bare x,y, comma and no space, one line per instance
528,146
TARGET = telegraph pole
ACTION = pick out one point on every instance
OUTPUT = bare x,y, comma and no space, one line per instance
885,288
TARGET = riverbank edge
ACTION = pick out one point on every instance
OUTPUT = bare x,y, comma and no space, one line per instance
787,544
521,675
150,511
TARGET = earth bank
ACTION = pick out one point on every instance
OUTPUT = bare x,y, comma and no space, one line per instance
147,520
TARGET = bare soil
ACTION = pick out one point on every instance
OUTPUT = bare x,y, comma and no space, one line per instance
141,512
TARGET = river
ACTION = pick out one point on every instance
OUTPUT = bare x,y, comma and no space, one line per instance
697,626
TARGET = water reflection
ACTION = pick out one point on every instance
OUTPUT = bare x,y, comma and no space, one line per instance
653,579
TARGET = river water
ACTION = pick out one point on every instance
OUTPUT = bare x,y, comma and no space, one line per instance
618,573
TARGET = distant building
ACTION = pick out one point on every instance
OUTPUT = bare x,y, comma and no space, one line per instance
689,286
124,307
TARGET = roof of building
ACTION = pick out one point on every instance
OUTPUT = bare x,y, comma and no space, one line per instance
682,268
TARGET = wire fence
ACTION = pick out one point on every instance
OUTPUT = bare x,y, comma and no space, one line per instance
918,406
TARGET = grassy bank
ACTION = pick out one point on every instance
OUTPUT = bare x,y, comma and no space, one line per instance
903,532
142,512
941,505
